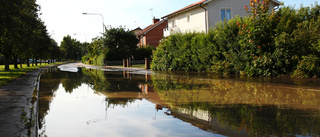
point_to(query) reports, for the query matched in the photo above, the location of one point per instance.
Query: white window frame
(189, 18)
(174, 23)
(225, 8)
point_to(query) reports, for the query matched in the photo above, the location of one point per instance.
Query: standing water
(76, 101)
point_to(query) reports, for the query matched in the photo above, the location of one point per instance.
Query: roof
(277, 2)
(199, 3)
(186, 8)
(137, 29)
(149, 28)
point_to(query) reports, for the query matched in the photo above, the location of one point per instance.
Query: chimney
(155, 20)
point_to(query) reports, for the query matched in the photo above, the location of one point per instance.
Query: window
(225, 14)
(173, 23)
(188, 18)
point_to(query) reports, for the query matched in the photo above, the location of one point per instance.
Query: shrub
(100, 60)
(144, 52)
(85, 59)
(309, 66)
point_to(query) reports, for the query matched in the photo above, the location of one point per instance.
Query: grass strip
(8, 75)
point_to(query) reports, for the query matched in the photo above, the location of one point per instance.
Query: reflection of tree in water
(258, 109)
(100, 81)
(111, 82)
(49, 84)
(123, 102)
(103, 81)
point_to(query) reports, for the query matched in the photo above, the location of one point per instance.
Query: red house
(152, 34)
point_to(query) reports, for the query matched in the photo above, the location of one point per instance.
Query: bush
(85, 59)
(100, 60)
(144, 52)
(309, 66)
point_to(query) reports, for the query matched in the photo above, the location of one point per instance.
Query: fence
(130, 63)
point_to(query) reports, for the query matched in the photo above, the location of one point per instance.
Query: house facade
(201, 16)
(152, 34)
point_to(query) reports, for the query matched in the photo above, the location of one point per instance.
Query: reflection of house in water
(153, 97)
(201, 118)
(197, 117)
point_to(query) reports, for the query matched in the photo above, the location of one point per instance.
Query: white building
(201, 16)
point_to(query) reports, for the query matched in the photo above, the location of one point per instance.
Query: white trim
(174, 22)
(188, 17)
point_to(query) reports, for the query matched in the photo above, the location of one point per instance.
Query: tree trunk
(36, 60)
(6, 62)
(21, 62)
(28, 64)
(32, 61)
(15, 61)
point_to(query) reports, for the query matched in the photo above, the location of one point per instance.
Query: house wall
(142, 41)
(155, 35)
(196, 23)
(236, 6)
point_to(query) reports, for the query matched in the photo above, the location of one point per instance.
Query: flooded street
(81, 101)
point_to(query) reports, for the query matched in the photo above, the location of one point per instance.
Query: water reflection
(128, 104)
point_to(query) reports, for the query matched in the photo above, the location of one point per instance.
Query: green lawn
(7, 75)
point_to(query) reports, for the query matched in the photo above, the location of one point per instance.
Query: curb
(35, 103)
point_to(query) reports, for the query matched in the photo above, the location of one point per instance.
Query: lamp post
(96, 14)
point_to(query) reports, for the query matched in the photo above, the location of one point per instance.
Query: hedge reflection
(256, 108)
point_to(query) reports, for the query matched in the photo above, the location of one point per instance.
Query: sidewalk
(15, 99)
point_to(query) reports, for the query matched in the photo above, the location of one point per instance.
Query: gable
(149, 28)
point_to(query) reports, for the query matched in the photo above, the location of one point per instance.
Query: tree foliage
(71, 48)
(22, 35)
(119, 43)
(115, 45)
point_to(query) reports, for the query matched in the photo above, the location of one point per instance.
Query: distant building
(135, 31)
(201, 16)
(152, 34)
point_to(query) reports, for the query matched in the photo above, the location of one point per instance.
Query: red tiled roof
(185, 8)
(147, 29)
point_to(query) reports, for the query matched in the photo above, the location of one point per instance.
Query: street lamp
(96, 14)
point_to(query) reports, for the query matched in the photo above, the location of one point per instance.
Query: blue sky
(64, 17)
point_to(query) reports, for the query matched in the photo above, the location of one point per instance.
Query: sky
(64, 17)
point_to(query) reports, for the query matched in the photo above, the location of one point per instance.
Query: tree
(22, 33)
(119, 43)
(9, 25)
(71, 49)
